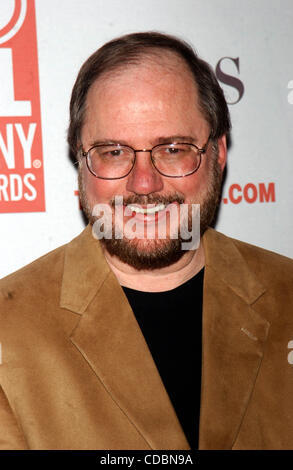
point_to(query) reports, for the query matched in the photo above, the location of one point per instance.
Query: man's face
(142, 106)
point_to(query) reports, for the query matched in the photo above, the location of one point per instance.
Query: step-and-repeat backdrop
(42, 46)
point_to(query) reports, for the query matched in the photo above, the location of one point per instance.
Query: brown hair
(129, 49)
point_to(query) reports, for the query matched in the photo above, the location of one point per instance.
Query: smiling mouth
(148, 210)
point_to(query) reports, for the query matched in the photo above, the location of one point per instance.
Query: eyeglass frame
(201, 151)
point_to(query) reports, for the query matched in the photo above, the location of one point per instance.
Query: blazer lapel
(109, 338)
(233, 338)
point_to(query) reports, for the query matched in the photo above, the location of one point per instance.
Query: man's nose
(144, 178)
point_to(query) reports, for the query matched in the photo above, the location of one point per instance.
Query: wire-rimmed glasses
(115, 161)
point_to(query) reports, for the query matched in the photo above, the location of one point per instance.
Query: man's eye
(116, 153)
(173, 150)
(111, 153)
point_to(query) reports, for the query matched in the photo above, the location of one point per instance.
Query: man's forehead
(156, 65)
(150, 99)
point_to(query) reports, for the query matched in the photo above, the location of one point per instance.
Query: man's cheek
(98, 190)
(188, 186)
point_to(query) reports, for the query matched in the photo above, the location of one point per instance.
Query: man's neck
(158, 280)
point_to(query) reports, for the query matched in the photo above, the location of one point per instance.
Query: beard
(146, 254)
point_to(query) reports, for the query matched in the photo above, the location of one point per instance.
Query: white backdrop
(252, 40)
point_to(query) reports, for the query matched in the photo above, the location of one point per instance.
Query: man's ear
(222, 152)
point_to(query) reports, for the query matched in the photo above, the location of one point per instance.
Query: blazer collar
(85, 270)
(223, 256)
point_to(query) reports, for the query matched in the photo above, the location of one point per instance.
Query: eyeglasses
(115, 161)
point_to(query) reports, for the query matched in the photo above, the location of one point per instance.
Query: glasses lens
(110, 161)
(176, 159)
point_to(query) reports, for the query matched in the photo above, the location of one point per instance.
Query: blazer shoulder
(33, 290)
(270, 267)
(269, 259)
(37, 272)
(47, 267)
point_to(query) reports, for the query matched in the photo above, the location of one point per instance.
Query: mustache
(151, 199)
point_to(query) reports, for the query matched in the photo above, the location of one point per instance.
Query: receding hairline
(153, 57)
(149, 59)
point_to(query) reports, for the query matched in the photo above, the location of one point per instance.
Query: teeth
(147, 210)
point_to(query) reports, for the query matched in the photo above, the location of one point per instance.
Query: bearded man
(150, 330)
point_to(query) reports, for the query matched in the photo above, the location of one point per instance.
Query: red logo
(251, 193)
(21, 156)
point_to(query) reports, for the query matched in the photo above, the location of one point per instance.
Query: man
(133, 342)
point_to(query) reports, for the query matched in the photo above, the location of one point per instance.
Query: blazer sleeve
(11, 437)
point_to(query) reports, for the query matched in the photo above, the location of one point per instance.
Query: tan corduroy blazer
(76, 373)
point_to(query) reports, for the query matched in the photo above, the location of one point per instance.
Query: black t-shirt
(171, 322)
